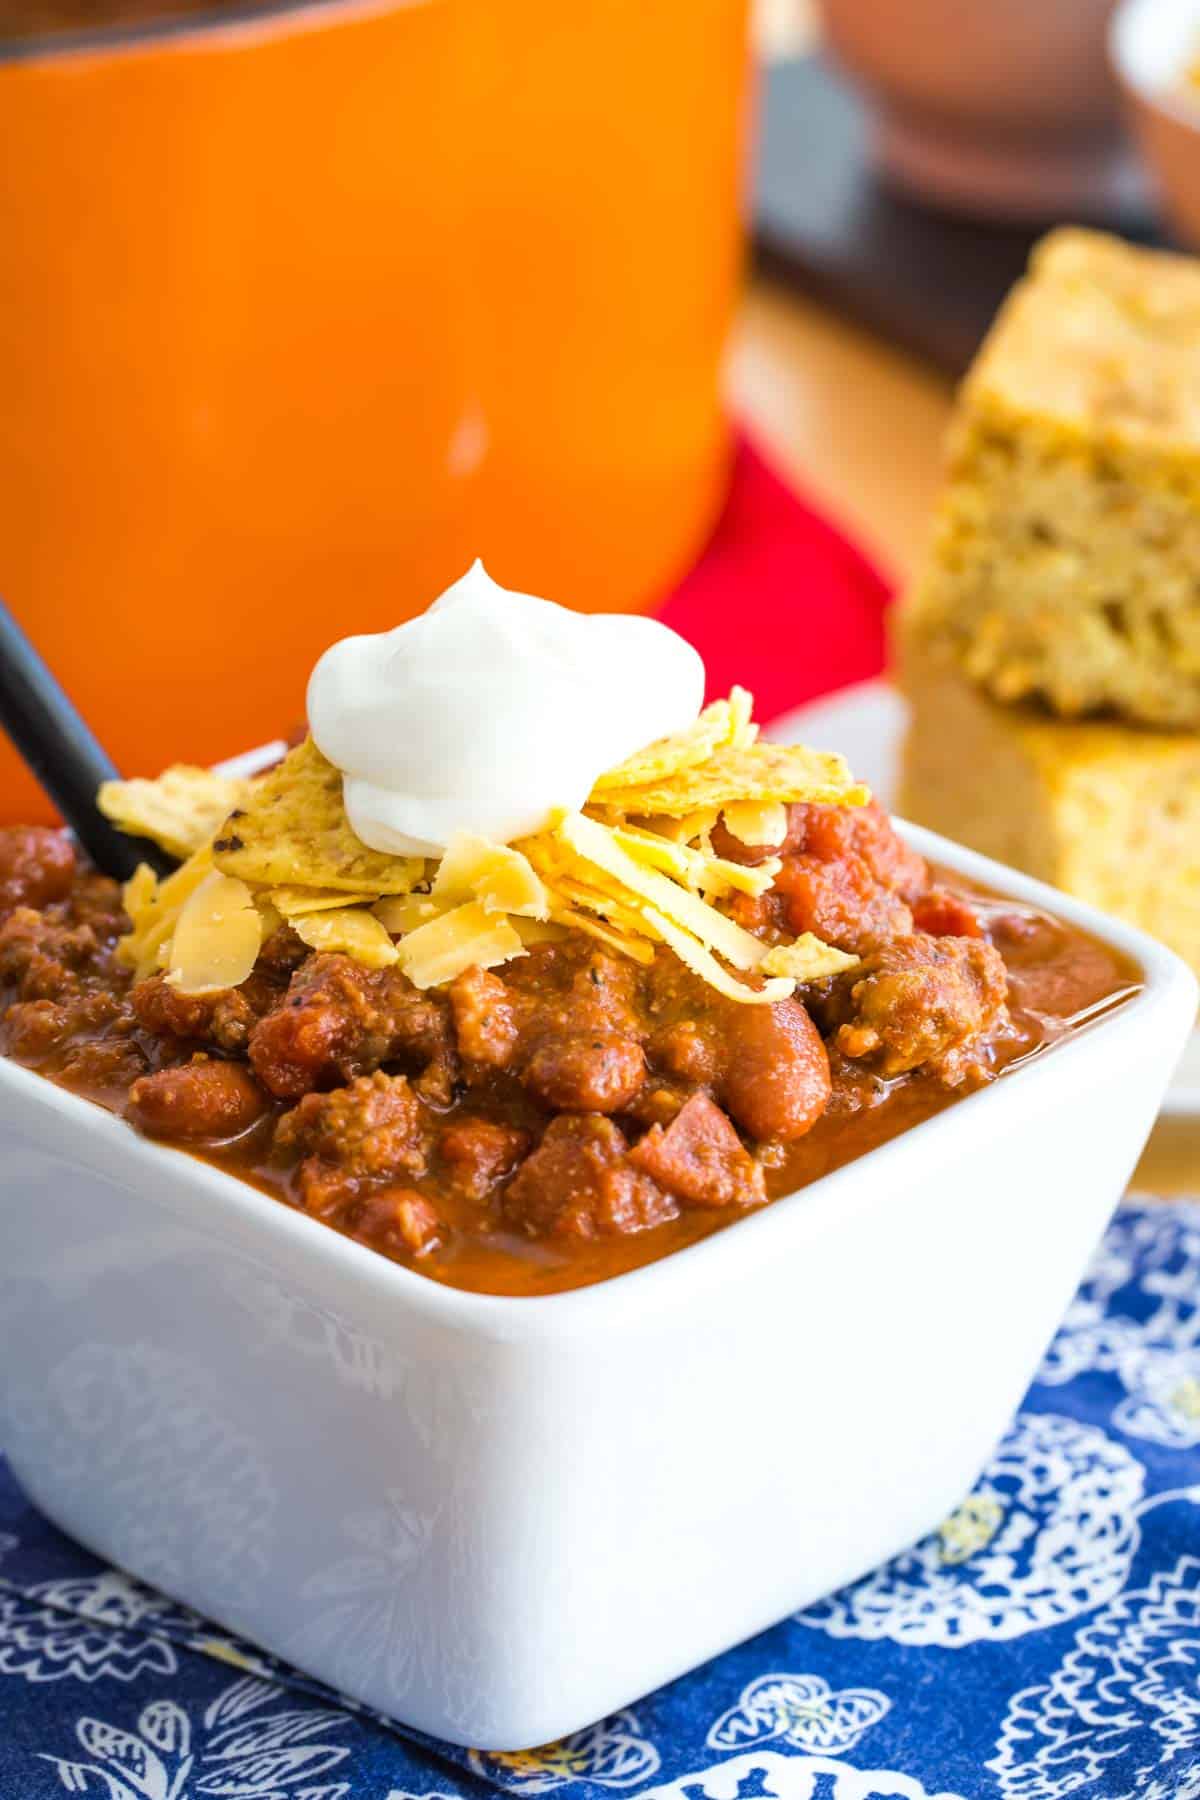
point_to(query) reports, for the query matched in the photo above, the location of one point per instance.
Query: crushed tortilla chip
(291, 830)
(295, 902)
(179, 810)
(754, 772)
(468, 937)
(681, 750)
(352, 931)
(217, 937)
(636, 870)
(809, 958)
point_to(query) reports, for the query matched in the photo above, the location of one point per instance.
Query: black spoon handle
(63, 754)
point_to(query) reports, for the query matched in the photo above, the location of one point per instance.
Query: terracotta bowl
(1152, 43)
(1004, 109)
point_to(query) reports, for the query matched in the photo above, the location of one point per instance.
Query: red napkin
(780, 601)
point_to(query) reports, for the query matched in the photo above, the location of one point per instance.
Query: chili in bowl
(528, 1083)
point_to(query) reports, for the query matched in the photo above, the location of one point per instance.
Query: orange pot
(302, 309)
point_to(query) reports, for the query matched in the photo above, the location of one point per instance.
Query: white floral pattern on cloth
(92, 1626)
(235, 1750)
(1162, 1397)
(776, 1777)
(112, 1633)
(800, 1710)
(1048, 1534)
(403, 1794)
(1120, 1714)
(613, 1754)
(1141, 1291)
(1137, 1316)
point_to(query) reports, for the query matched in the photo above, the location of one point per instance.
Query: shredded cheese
(217, 937)
(467, 937)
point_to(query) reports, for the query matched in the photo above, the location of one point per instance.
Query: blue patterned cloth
(1044, 1643)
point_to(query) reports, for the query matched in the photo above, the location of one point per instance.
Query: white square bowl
(498, 1519)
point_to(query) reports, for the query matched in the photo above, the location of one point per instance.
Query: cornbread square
(1065, 563)
(1106, 811)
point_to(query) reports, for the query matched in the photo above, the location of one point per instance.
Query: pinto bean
(776, 1081)
(203, 1099)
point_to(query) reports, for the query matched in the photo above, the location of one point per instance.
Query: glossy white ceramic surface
(499, 1519)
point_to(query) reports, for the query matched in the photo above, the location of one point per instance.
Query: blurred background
(304, 306)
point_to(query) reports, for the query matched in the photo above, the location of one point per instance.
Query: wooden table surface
(859, 426)
(856, 424)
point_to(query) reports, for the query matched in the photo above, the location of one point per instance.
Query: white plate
(866, 724)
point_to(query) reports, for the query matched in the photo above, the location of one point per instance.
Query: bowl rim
(246, 20)
(1129, 27)
(705, 1269)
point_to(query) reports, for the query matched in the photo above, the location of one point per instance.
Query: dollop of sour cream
(491, 710)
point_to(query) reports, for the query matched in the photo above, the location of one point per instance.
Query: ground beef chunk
(486, 1019)
(315, 1036)
(106, 1069)
(44, 957)
(282, 953)
(477, 1153)
(355, 1138)
(226, 1019)
(202, 1100)
(35, 1028)
(922, 1002)
(161, 1008)
(776, 1079)
(37, 865)
(564, 1020)
(700, 1159)
(689, 1049)
(657, 1103)
(338, 1021)
(399, 1219)
(580, 1183)
(585, 1071)
(95, 900)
